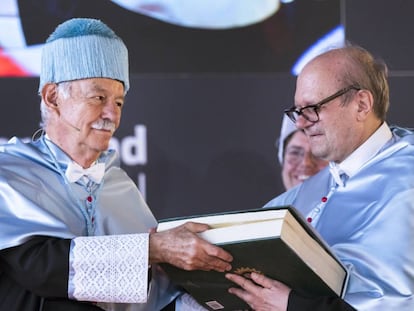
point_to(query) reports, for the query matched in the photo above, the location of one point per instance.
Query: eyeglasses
(311, 112)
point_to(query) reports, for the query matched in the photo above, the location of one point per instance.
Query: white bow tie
(95, 173)
(338, 174)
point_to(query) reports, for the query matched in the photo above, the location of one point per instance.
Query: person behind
(362, 203)
(295, 157)
(75, 231)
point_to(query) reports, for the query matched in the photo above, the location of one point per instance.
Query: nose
(111, 111)
(301, 122)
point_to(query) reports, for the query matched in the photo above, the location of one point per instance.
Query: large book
(277, 242)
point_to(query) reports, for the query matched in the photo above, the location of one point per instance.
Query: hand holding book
(275, 242)
(260, 292)
(182, 247)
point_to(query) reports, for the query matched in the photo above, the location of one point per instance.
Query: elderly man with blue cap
(75, 232)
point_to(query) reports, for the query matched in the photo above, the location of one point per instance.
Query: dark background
(212, 100)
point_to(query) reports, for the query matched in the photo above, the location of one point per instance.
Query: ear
(50, 96)
(365, 104)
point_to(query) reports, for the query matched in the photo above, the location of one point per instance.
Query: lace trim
(110, 268)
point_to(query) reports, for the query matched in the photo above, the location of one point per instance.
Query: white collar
(353, 163)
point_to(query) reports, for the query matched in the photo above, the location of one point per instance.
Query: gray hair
(63, 90)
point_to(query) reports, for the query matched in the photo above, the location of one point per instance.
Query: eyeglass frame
(295, 155)
(316, 107)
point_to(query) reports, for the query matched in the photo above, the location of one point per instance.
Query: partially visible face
(298, 161)
(89, 113)
(337, 133)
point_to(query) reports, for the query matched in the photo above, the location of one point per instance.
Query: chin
(100, 146)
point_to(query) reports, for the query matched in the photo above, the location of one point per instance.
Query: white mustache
(102, 124)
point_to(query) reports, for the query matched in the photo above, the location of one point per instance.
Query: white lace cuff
(111, 268)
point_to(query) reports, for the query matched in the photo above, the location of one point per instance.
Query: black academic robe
(34, 277)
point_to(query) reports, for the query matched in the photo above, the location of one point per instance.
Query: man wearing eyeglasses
(362, 204)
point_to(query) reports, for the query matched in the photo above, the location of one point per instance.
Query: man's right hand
(183, 248)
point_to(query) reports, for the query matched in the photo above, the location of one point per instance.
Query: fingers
(246, 289)
(262, 280)
(211, 256)
(260, 292)
(214, 251)
(196, 227)
(239, 280)
(183, 248)
(269, 283)
(258, 281)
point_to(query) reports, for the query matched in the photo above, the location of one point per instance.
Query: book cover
(281, 245)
